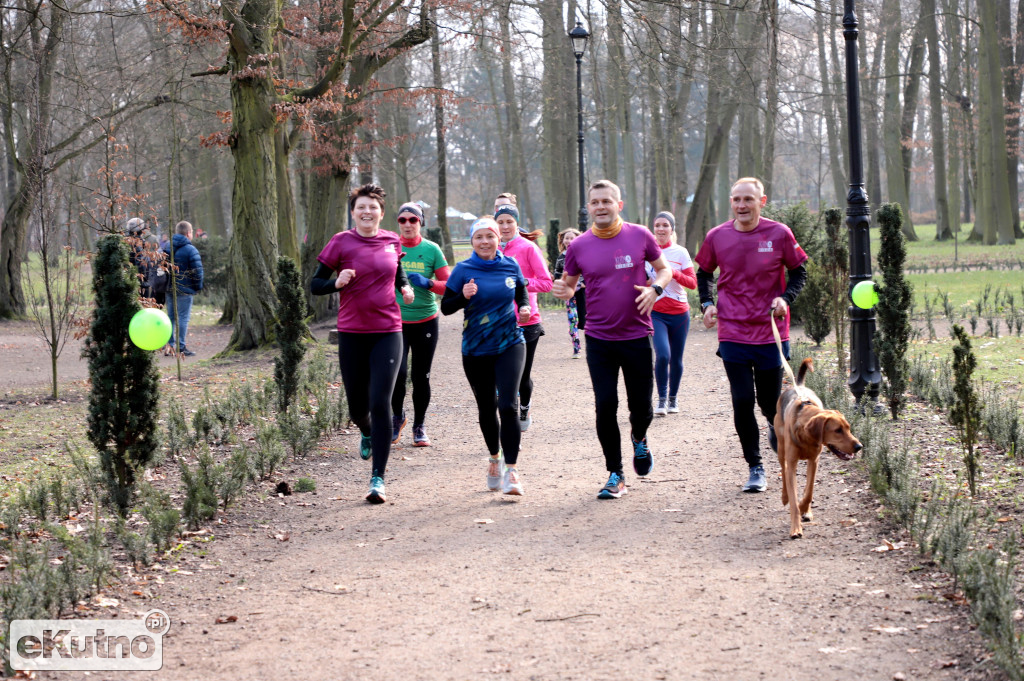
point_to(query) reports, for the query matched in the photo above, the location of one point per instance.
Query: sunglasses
(413, 221)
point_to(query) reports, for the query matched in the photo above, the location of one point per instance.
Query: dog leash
(778, 343)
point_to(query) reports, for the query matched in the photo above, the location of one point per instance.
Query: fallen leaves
(483, 521)
(889, 546)
(228, 619)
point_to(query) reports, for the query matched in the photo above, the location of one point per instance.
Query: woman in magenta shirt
(519, 245)
(366, 260)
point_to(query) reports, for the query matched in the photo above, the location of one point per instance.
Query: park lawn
(1000, 360)
(927, 252)
(964, 287)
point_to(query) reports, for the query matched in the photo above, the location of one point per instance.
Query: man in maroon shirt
(753, 255)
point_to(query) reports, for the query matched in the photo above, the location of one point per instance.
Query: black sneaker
(642, 459)
(773, 441)
(187, 353)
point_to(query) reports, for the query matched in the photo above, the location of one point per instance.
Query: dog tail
(805, 366)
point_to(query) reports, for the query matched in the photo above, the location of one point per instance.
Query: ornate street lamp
(864, 373)
(579, 36)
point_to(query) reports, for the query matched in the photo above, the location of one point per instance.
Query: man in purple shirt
(611, 256)
(753, 255)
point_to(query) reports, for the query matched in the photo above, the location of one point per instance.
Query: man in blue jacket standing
(188, 277)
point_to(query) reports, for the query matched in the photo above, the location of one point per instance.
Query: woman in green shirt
(427, 269)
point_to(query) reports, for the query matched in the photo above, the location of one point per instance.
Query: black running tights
(750, 385)
(421, 340)
(369, 365)
(636, 360)
(502, 372)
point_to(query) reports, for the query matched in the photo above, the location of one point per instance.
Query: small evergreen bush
(291, 331)
(965, 413)
(892, 337)
(123, 400)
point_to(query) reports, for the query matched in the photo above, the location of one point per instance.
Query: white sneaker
(673, 405)
(660, 409)
(510, 483)
(495, 471)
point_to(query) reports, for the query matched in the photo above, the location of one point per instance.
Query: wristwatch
(704, 306)
(657, 289)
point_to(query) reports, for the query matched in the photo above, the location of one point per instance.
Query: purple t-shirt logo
(623, 261)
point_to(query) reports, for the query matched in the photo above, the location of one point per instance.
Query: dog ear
(816, 426)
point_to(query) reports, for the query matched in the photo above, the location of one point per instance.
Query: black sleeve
(452, 301)
(705, 280)
(795, 283)
(559, 266)
(522, 297)
(323, 282)
(401, 278)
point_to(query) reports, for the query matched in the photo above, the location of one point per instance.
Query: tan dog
(803, 427)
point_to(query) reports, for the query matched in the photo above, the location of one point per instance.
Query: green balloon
(864, 295)
(150, 328)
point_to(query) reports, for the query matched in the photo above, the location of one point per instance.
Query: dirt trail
(683, 578)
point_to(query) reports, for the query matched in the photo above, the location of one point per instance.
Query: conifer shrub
(123, 401)
(553, 230)
(816, 304)
(291, 331)
(892, 337)
(965, 412)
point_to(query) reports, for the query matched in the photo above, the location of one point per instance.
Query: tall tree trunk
(1012, 59)
(936, 125)
(767, 156)
(517, 165)
(682, 80)
(31, 164)
(872, 124)
(951, 9)
(559, 174)
(439, 130)
(623, 107)
(892, 119)
(911, 92)
(828, 109)
(993, 190)
(287, 238)
(254, 194)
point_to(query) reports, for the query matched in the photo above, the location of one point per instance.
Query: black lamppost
(579, 36)
(864, 373)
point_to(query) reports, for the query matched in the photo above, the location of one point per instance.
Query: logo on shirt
(390, 248)
(765, 247)
(510, 282)
(623, 261)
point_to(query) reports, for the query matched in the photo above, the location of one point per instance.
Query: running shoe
(365, 447)
(642, 459)
(773, 440)
(376, 495)
(575, 355)
(510, 483)
(673, 405)
(187, 353)
(661, 409)
(419, 437)
(614, 488)
(398, 422)
(495, 471)
(524, 418)
(756, 483)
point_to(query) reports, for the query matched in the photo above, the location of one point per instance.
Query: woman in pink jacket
(519, 245)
